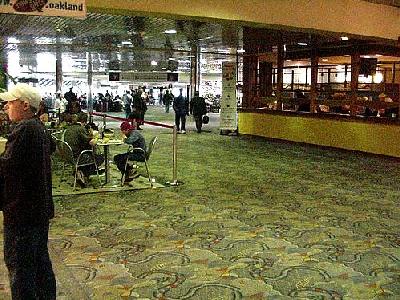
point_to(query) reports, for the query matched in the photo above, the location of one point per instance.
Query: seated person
(79, 138)
(135, 139)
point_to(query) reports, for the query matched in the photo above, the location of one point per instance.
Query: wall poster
(228, 116)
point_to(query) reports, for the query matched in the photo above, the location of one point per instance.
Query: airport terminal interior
(296, 199)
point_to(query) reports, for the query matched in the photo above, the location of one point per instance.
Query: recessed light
(324, 59)
(170, 31)
(344, 38)
(378, 55)
(302, 44)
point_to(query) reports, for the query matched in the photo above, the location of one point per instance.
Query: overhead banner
(228, 116)
(143, 76)
(70, 8)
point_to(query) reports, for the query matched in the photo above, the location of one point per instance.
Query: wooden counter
(367, 134)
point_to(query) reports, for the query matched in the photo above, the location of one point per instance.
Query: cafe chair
(66, 155)
(146, 154)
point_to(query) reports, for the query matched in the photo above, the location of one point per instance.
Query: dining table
(106, 143)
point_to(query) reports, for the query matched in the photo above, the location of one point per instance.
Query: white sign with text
(70, 8)
(228, 116)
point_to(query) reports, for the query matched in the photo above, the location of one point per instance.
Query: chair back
(150, 147)
(64, 151)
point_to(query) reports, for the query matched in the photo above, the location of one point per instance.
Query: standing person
(27, 204)
(167, 100)
(71, 97)
(198, 108)
(135, 139)
(138, 108)
(127, 101)
(181, 108)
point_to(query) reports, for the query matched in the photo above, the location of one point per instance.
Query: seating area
(65, 168)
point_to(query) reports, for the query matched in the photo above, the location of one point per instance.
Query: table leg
(106, 164)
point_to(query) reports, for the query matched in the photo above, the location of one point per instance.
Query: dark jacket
(181, 105)
(78, 137)
(25, 171)
(198, 106)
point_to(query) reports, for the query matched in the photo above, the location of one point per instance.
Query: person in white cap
(25, 174)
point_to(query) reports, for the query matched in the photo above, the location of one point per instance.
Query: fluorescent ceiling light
(170, 31)
(324, 59)
(241, 51)
(126, 43)
(302, 44)
(344, 38)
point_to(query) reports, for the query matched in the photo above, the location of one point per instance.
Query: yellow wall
(350, 135)
(347, 16)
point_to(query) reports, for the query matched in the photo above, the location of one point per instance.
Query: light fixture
(126, 43)
(378, 77)
(302, 44)
(324, 59)
(154, 63)
(378, 55)
(170, 31)
(344, 38)
(241, 51)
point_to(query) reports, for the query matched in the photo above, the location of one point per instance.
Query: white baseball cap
(23, 91)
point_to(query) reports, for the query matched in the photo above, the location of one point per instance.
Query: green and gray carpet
(251, 219)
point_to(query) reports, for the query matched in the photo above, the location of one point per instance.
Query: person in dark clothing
(80, 138)
(167, 100)
(71, 98)
(139, 108)
(135, 139)
(198, 108)
(27, 204)
(181, 108)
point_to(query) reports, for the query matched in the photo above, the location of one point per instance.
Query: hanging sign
(228, 116)
(70, 8)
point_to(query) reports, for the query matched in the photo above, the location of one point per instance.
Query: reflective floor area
(251, 219)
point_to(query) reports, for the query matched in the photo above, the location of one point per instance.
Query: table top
(109, 142)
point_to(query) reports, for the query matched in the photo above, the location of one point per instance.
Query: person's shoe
(183, 131)
(81, 179)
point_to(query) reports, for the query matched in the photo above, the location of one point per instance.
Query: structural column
(314, 80)
(59, 72)
(279, 79)
(90, 82)
(355, 71)
(195, 70)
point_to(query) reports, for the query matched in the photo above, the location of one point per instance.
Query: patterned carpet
(251, 219)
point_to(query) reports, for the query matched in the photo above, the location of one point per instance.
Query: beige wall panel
(348, 16)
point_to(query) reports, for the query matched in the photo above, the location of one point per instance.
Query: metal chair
(146, 155)
(66, 155)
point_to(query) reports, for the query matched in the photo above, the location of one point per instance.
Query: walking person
(127, 101)
(27, 204)
(139, 108)
(181, 108)
(167, 100)
(198, 108)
